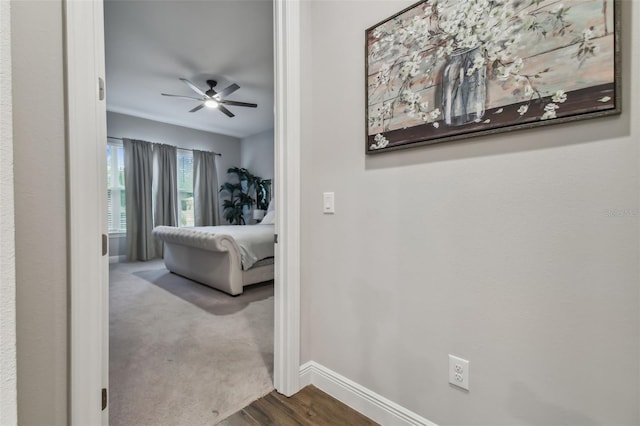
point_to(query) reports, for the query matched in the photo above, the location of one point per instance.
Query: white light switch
(328, 203)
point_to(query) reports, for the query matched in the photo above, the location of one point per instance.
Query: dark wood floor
(310, 406)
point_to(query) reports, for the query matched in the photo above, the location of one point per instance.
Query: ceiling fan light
(210, 103)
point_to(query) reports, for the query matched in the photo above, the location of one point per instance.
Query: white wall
(121, 125)
(8, 368)
(498, 250)
(257, 154)
(40, 211)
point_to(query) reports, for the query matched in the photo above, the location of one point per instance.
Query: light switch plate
(328, 203)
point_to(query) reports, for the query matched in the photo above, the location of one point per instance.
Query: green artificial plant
(240, 190)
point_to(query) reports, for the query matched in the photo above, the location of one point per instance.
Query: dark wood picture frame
(445, 70)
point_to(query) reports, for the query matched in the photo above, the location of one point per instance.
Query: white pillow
(272, 205)
(269, 218)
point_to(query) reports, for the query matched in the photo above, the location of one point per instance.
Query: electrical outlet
(459, 372)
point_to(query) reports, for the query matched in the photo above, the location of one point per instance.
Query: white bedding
(255, 242)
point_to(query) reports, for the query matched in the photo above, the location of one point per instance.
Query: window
(116, 201)
(185, 187)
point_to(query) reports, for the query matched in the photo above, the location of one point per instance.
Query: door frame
(86, 158)
(8, 365)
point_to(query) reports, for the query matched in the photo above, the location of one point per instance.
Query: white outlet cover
(459, 372)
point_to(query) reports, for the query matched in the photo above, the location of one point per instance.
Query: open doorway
(88, 236)
(178, 347)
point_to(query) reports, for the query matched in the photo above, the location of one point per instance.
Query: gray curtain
(138, 174)
(165, 191)
(205, 188)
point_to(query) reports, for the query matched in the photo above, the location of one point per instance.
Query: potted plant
(240, 190)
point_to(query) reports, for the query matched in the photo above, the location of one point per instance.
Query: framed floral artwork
(445, 70)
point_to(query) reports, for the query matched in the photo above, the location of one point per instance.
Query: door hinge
(100, 89)
(104, 398)
(105, 245)
(275, 238)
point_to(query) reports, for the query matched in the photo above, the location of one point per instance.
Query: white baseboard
(361, 399)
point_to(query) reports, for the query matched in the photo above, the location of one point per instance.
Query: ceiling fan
(211, 98)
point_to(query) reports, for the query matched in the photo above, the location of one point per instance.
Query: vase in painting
(464, 88)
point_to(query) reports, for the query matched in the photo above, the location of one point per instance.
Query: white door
(86, 163)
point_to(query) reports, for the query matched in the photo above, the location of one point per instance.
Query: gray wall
(499, 250)
(257, 154)
(511, 229)
(121, 125)
(40, 211)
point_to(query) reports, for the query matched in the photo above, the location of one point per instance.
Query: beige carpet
(182, 353)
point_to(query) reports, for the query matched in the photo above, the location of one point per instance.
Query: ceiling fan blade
(235, 103)
(193, 87)
(180, 96)
(199, 107)
(226, 111)
(229, 90)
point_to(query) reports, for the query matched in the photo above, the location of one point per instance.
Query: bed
(226, 258)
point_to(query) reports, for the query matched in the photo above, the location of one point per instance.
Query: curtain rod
(119, 139)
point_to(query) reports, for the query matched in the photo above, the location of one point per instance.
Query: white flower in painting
(503, 73)
(487, 121)
(386, 110)
(383, 77)
(408, 96)
(380, 140)
(478, 63)
(523, 109)
(558, 8)
(435, 113)
(559, 96)
(604, 99)
(516, 66)
(409, 69)
(436, 124)
(375, 120)
(549, 111)
(499, 110)
(587, 34)
(528, 90)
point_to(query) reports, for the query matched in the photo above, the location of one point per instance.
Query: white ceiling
(151, 44)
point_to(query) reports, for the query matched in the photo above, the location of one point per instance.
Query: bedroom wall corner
(306, 135)
(257, 154)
